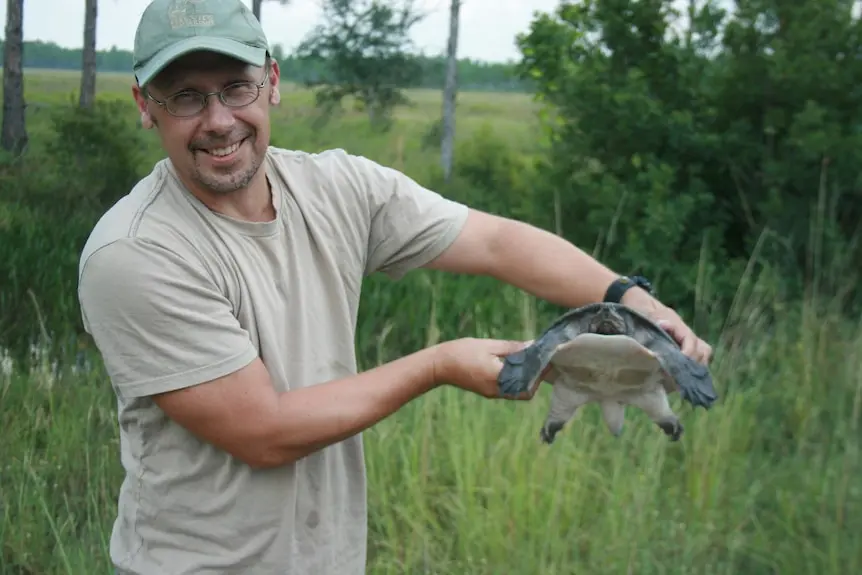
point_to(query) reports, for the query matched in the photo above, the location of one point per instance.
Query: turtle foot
(695, 383)
(550, 430)
(699, 392)
(515, 377)
(673, 428)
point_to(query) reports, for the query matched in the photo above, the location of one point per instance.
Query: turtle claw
(672, 428)
(549, 431)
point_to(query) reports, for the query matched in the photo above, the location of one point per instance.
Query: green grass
(764, 483)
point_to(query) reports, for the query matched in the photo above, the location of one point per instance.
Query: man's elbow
(260, 447)
(266, 459)
(265, 453)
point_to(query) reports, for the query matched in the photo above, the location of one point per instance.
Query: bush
(52, 198)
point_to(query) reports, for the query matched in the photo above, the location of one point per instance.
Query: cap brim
(232, 48)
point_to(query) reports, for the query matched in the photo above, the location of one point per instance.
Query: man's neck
(253, 203)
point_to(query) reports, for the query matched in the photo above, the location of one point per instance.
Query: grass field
(767, 482)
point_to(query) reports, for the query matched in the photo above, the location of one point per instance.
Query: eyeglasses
(190, 102)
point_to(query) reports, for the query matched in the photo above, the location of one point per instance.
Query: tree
(364, 45)
(13, 134)
(256, 5)
(677, 148)
(450, 92)
(88, 55)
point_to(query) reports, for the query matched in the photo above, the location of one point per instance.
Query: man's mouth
(222, 152)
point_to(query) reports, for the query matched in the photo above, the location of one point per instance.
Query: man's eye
(185, 98)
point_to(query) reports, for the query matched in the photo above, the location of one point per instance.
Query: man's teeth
(225, 151)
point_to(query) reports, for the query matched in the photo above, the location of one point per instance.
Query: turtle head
(608, 321)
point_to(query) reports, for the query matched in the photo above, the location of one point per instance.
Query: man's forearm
(312, 418)
(547, 265)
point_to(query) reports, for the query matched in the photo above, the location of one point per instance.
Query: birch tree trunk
(13, 134)
(88, 63)
(450, 93)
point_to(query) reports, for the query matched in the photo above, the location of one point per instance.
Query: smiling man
(222, 293)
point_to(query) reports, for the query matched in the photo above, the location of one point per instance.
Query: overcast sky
(488, 27)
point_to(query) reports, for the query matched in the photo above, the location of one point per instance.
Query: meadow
(764, 483)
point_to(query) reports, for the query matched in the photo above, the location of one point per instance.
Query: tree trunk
(14, 131)
(450, 93)
(255, 8)
(88, 63)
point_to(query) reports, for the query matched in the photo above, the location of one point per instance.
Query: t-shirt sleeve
(159, 320)
(410, 225)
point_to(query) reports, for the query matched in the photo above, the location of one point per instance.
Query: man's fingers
(704, 352)
(689, 343)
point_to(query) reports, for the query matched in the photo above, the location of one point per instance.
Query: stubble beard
(224, 183)
(230, 178)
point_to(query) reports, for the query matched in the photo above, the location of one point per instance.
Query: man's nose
(217, 116)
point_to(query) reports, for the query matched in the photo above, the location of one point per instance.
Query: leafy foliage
(671, 141)
(49, 202)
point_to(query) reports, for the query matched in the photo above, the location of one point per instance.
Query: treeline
(472, 75)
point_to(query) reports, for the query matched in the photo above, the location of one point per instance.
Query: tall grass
(764, 483)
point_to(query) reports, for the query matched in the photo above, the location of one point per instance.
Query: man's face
(218, 150)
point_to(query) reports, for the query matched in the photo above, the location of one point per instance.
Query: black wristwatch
(623, 284)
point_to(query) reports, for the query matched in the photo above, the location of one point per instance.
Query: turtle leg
(520, 371)
(565, 402)
(693, 379)
(656, 405)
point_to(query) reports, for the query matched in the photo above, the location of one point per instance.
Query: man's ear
(274, 76)
(147, 121)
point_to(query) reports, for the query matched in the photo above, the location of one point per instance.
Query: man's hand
(669, 320)
(474, 364)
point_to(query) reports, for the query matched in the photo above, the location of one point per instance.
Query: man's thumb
(509, 346)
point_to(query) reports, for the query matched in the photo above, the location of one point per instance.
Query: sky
(487, 28)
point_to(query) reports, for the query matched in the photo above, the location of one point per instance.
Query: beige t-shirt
(175, 295)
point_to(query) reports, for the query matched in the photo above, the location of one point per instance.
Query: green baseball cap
(172, 28)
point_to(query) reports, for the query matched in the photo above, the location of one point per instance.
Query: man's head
(185, 49)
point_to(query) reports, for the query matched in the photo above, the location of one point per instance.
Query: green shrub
(51, 198)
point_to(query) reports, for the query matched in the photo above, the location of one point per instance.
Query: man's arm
(166, 331)
(242, 414)
(551, 268)
(526, 257)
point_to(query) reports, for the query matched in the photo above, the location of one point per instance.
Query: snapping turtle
(610, 354)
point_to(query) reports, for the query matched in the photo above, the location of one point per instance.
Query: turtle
(611, 354)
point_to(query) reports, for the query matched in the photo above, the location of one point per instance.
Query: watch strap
(621, 285)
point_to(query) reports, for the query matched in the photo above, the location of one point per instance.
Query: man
(222, 293)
